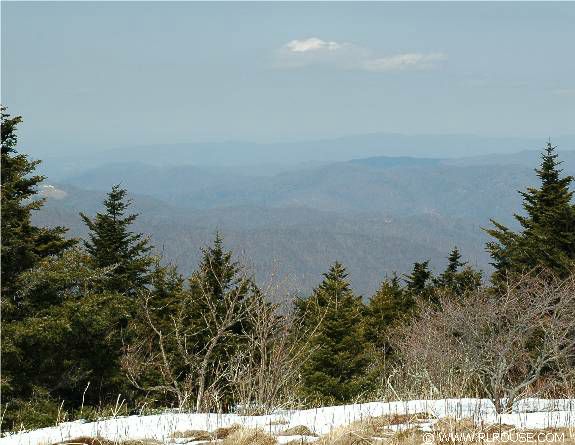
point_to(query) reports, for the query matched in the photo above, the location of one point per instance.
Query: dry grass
(446, 431)
(374, 430)
(86, 441)
(102, 441)
(249, 436)
(411, 436)
(406, 419)
(568, 435)
(223, 432)
(356, 433)
(279, 422)
(449, 425)
(193, 435)
(298, 430)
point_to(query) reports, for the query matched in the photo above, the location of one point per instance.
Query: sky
(97, 75)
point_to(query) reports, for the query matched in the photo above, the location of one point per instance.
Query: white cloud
(347, 56)
(312, 44)
(404, 61)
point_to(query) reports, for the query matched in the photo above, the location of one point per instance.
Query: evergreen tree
(454, 261)
(23, 244)
(215, 314)
(24, 247)
(217, 271)
(111, 243)
(167, 286)
(65, 347)
(458, 277)
(387, 306)
(218, 278)
(547, 238)
(335, 369)
(420, 282)
(157, 306)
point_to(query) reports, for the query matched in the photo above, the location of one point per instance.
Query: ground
(416, 421)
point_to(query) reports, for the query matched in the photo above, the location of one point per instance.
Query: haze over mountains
(376, 214)
(269, 158)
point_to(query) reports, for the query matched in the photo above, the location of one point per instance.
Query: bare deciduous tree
(502, 344)
(210, 348)
(263, 375)
(149, 362)
(181, 356)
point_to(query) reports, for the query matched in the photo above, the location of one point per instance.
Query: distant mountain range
(265, 159)
(376, 215)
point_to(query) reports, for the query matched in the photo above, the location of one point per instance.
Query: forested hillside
(377, 215)
(103, 324)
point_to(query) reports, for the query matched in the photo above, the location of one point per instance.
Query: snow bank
(529, 413)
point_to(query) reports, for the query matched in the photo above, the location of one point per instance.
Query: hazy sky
(106, 74)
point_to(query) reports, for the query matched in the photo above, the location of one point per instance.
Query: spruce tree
(157, 306)
(23, 244)
(111, 243)
(217, 278)
(419, 278)
(65, 349)
(454, 261)
(336, 366)
(390, 304)
(547, 238)
(216, 316)
(458, 277)
(420, 282)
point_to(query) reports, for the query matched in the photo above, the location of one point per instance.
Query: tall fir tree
(23, 244)
(454, 261)
(419, 283)
(547, 238)
(336, 366)
(217, 278)
(219, 292)
(65, 351)
(458, 277)
(112, 243)
(390, 304)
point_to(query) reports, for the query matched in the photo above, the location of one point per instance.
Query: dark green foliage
(156, 308)
(335, 370)
(182, 339)
(419, 279)
(79, 324)
(68, 338)
(23, 244)
(458, 276)
(37, 411)
(167, 286)
(24, 247)
(547, 238)
(216, 283)
(216, 315)
(113, 244)
(420, 282)
(390, 304)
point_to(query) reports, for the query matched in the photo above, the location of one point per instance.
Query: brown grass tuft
(249, 436)
(298, 430)
(411, 436)
(192, 435)
(223, 432)
(407, 419)
(84, 440)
